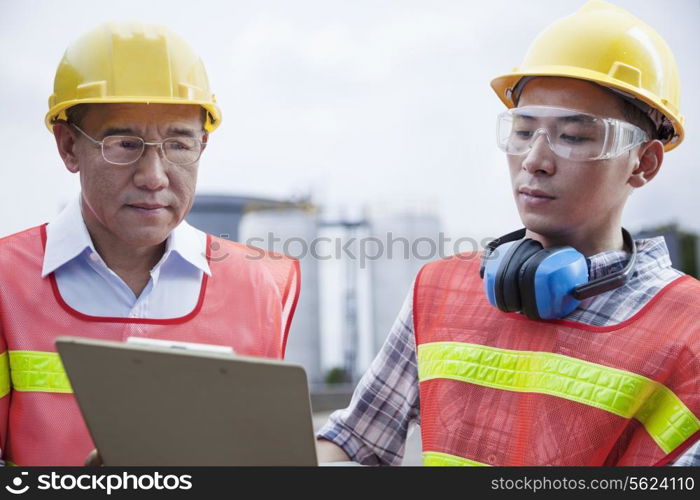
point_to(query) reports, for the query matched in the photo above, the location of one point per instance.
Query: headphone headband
(514, 236)
(595, 287)
(610, 281)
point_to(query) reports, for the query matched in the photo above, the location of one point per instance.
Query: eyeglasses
(126, 149)
(570, 134)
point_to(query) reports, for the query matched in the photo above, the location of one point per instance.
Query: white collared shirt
(87, 285)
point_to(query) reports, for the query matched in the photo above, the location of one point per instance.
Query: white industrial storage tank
(291, 231)
(410, 236)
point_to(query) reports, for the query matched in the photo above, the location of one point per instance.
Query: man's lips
(148, 209)
(146, 206)
(535, 193)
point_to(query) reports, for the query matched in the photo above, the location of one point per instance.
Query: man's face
(558, 197)
(138, 204)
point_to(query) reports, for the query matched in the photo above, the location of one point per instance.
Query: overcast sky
(353, 101)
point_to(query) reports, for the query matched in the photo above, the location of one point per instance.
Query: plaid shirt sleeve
(691, 457)
(372, 430)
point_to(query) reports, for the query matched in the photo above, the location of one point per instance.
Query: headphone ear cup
(526, 283)
(507, 290)
(560, 269)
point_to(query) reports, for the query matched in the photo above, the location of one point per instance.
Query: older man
(580, 346)
(131, 114)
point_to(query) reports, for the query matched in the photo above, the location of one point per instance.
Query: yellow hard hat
(605, 44)
(131, 62)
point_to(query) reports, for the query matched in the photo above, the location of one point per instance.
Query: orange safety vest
(241, 305)
(500, 389)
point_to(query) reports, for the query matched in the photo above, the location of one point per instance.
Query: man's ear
(651, 156)
(65, 141)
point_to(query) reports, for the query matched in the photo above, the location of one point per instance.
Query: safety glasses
(570, 134)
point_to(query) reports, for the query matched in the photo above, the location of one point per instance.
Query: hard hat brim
(58, 112)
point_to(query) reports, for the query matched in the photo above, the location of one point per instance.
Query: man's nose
(151, 169)
(540, 158)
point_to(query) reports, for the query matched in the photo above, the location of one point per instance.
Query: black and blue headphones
(543, 283)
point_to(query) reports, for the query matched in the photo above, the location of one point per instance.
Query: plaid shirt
(372, 430)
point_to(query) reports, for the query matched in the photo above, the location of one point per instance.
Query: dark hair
(75, 114)
(636, 116)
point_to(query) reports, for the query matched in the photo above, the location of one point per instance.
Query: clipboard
(148, 405)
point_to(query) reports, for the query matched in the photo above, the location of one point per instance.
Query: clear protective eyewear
(571, 134)
(126, 149)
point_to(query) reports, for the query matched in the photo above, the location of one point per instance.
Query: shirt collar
(67, 237)
(191, 244)
(650, 252)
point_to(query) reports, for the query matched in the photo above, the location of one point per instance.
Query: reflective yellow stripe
(667, 420)
(665, 417)
(37, 371)
(435, 458)
(10, 464)
(4, 375)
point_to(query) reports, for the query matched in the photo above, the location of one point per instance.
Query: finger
(93, 459)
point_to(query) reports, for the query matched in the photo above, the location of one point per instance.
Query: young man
(131, 114)
(559, 372)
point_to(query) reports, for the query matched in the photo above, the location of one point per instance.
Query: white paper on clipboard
(176, 344)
